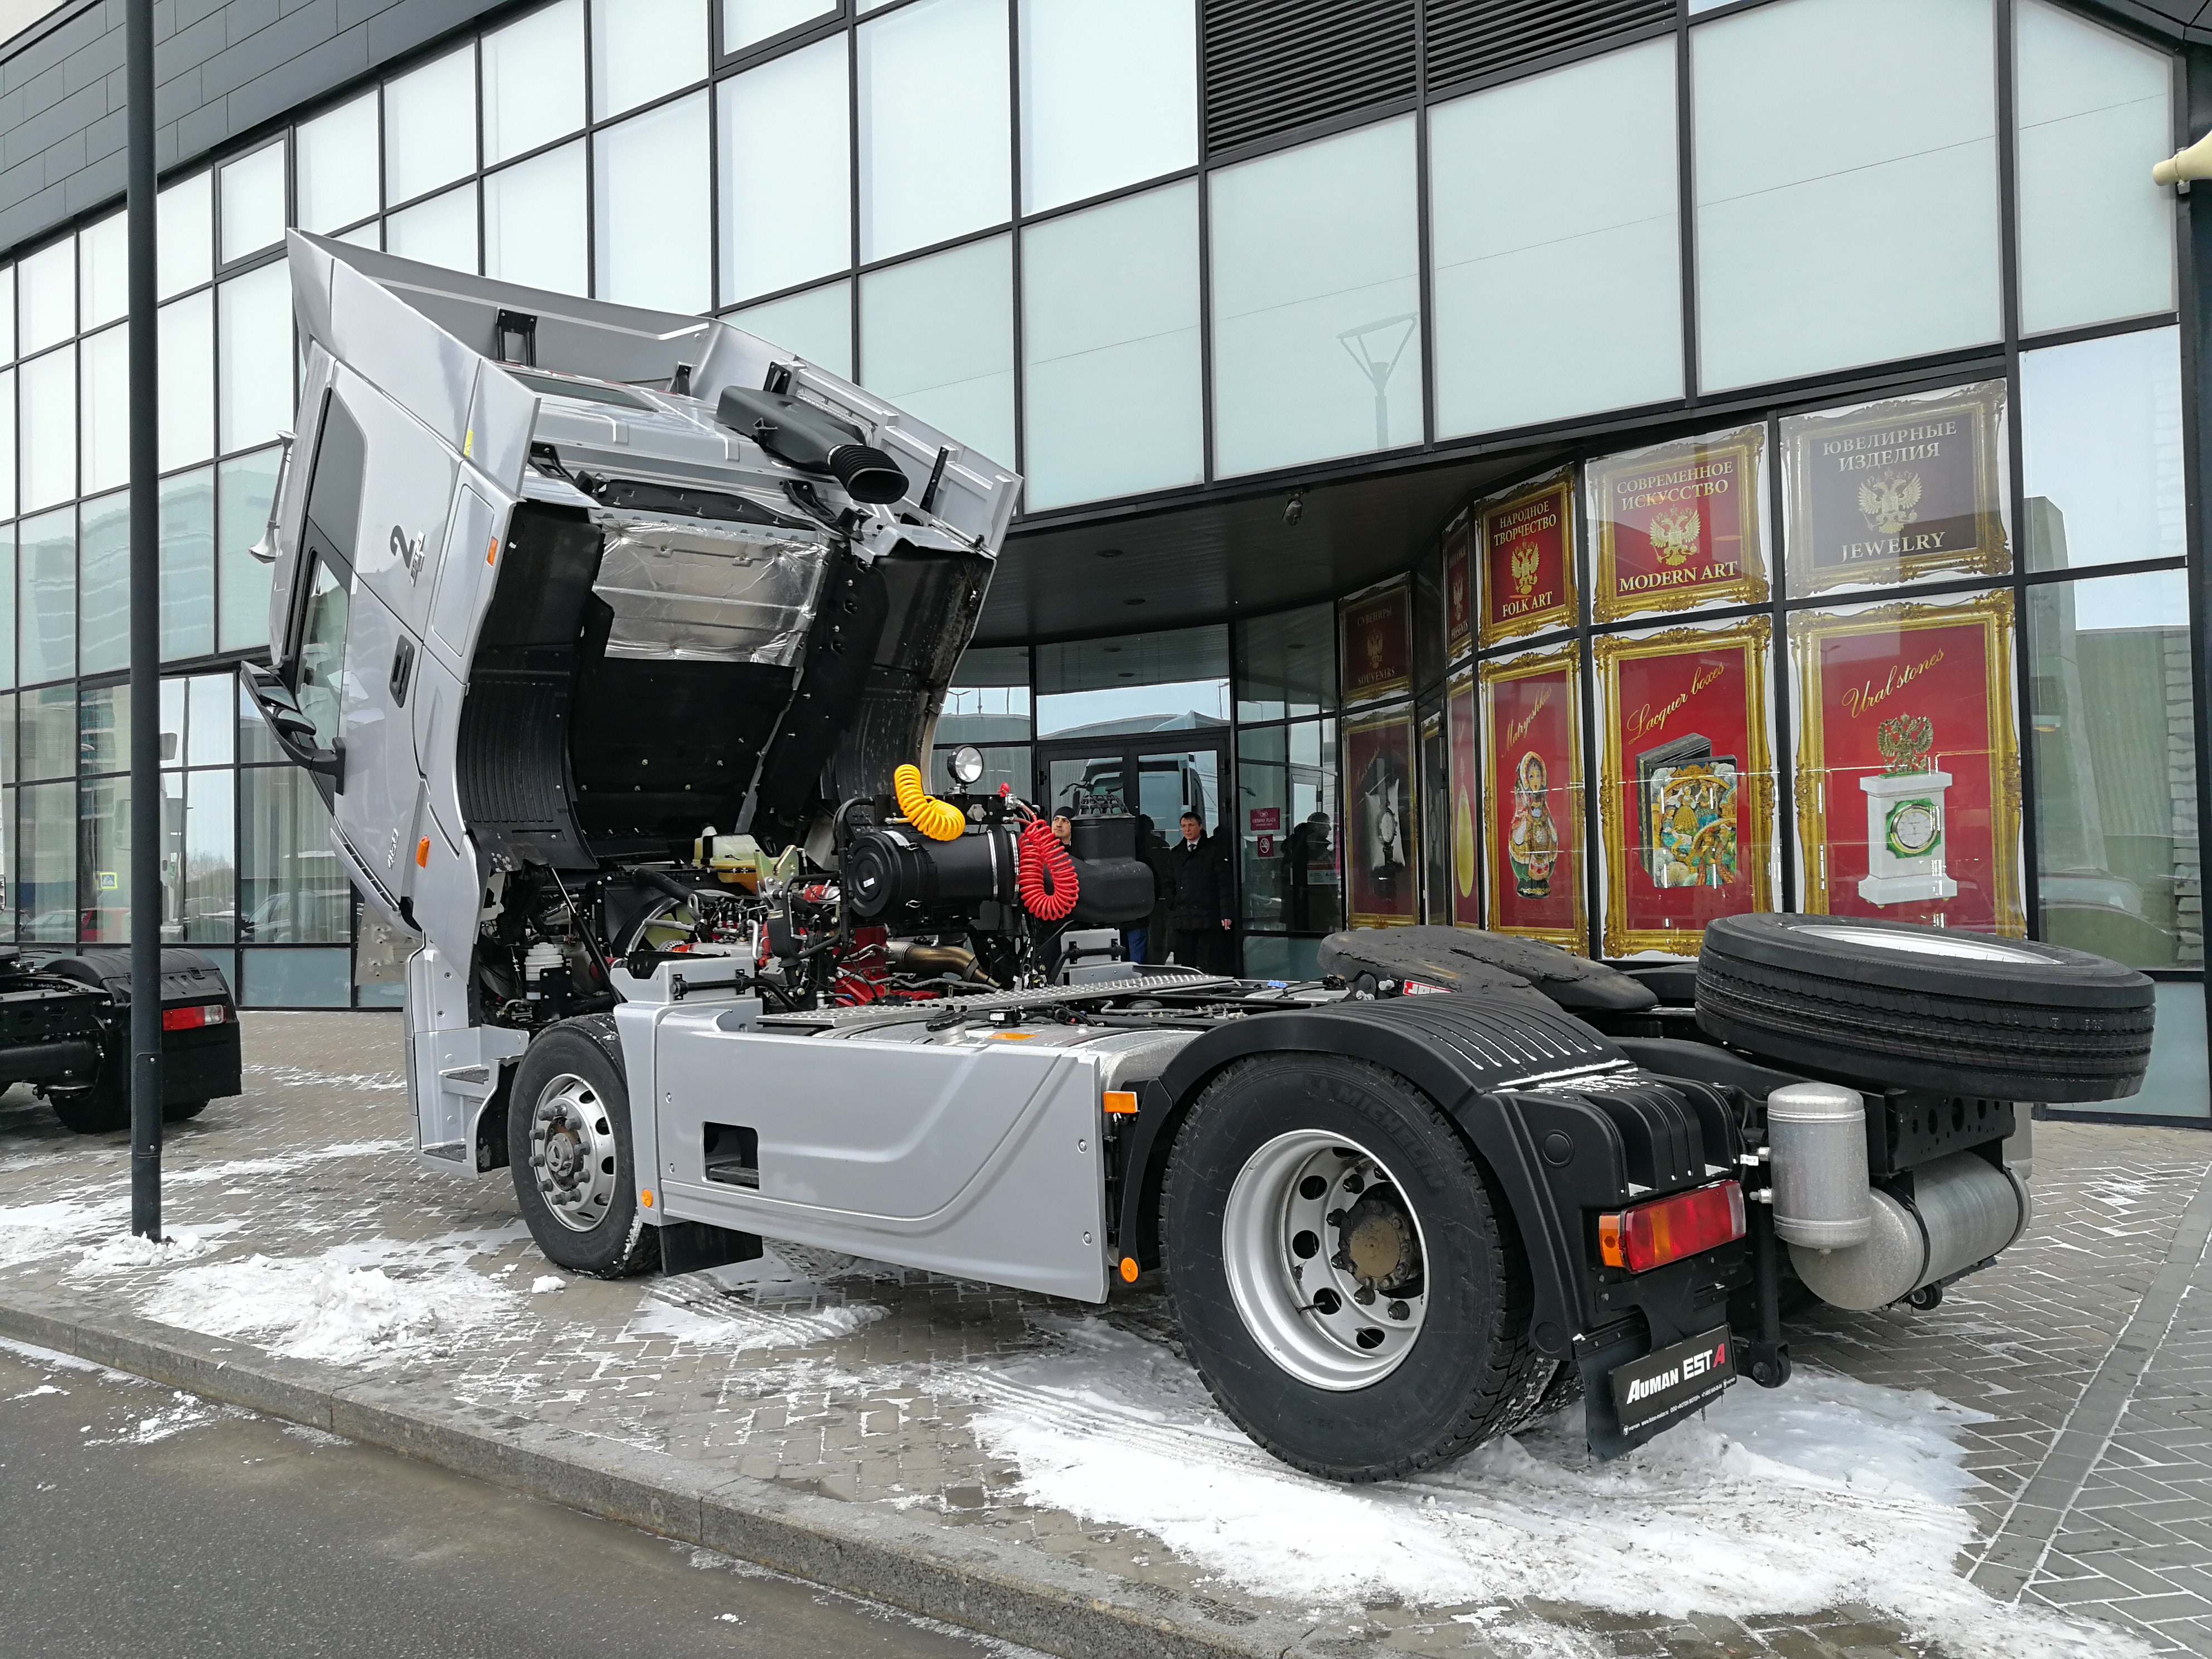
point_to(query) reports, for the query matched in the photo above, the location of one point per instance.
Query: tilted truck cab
(615, 640)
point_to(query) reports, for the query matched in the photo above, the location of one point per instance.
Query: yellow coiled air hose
(939, 820)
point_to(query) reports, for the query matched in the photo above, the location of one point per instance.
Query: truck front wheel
(569, 1145)
(1347, 1283)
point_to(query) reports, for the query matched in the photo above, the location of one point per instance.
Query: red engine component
(863, 971)
(1046, 876)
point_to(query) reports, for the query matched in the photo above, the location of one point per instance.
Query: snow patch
(189, 1412)
(728, 1322)
(1826, 1492)
(278, 1163)
(28, 1231)
(326, 1308)
(302, 1077)
(125, 1251)
(546, 1282)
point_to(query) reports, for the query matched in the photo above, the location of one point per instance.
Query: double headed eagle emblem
(1674, 536)
(1525, 562)
(1890, 500)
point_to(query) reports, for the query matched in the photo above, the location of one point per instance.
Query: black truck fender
(1484, 1060)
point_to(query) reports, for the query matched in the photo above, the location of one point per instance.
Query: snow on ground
(1826, 1492)
(30, 1230)
(127, 1252)
(323, 1307)
(300, 1076)
(761, 1304)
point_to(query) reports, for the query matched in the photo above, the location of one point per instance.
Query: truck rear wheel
(569, 1145)
(1347, 1282)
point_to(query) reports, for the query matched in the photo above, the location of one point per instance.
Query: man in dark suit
(1199, 900)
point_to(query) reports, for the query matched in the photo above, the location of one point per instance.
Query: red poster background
(1377, 660)
(1533, 714)
(1535, 594)
(1465, 851)
(1942, 673)
(1658, 700)
(1678, 518)
(1459, 608)
(1386, 740)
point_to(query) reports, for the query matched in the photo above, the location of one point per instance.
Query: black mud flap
(1628, 1397)
(687, 1247)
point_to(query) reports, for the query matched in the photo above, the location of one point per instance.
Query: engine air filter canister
(1822, 1198)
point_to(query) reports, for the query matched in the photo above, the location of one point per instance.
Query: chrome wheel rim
(1326, 1260)
(572, 1152)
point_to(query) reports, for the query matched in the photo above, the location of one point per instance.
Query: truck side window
(334, 491)
(333, 521)
(322, 648)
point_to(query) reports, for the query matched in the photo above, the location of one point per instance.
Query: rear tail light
(1668, 1229)
(191, 1018)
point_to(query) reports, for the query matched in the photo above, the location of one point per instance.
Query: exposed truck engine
(615, 640)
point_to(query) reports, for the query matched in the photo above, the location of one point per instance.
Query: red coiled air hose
(1047, 874)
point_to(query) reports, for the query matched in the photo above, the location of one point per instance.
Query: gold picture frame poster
(1686, 788)
(1532, 797)
(1678, 527)
(1381, 810)
(1464, 752)
(1899, 491)
(1526, 571)
(1908, 778)
(1375, 643)
(1459, 590)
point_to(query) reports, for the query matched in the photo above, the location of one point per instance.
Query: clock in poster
(1459, 592)
(1685, 798)
(1908, 764)
(1382, 889)
(1528, 561)
(1532, 785)
(1678, 526)
(1466, 801)
(1375, 643)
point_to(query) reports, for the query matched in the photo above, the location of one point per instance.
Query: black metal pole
(145, 636)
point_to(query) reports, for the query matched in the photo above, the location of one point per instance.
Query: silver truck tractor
(610, 636)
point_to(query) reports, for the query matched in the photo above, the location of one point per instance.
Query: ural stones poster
(1908, 763)
(1528, 562)
(1685, 802)
(1382, 888)
(1898, 491)
(1532, 797)
(1678, 527)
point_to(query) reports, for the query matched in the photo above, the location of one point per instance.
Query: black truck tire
(183, 1111)
(1293, 1368)
(1890, 1005)
(568, 1147)
(100, 1108)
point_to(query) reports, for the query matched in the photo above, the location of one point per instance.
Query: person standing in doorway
(1199, 897)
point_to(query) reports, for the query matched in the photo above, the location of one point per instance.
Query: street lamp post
(145, 633)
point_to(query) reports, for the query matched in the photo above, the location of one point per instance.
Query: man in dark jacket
(1199, 900)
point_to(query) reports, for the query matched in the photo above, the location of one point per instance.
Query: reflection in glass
(104, 585)
(50, 733)
(334, 168)
(1525, 256)
(1137, 682)
(533, 80)
(321, 683)
(103, 256)
(2115, 768)
(1109, 308)
(2100, 451)
(187, 380)
(1818, 121)
(7, 441)
(46, 296)
(199, 878)
(748, 22)
(254, 389)
(441, 231)
(243, 488)
(936, 155)
(184, 234)
(2093, 112)
(47, 605)
(103, 888)
(291, 890)
(430, 126)
(817, 324)
(1109, 96)
(1286, 794)
(1317, 302)
(1002, 764)
(188, 565)
(534, 223)
(937, 339)
(654, 209)
(209, 720)
(643, 48)
(103, 729)
(8, 638)
(43, 853)
(49, 428)
(786, 153)
(104, 362)
(294, 979)
(1286, 664)
(251, 197)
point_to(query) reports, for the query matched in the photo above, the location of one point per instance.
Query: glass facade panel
(7, 313)
(243, 489)
(184, 234)
(2115, 768)
(1317, 302)
(2092, 111)
(49, 428)
(441, 231)
(2102, 452)
(199, 873)
(7, 442)
(7, 646)
(103, 253)
(103, 730)
(187, 382)
(103, 606)
(42, 851)
(1286, 840)
(1110, 313)
(1174, 680)
(787, 171)
(291, 888)
(334, 169)
(818, 325)
(430, 126)
(250, 197)
(103, 885)
(936, 151)
(255, 387)
(1815, 120)
(655, 208)
(535, 226)
(1109, 96)
(104, 361)
(937, 339)
(188, 565)
(641, 49)
(1286, 664)
(533, 80)
(46, 296)
(747, 23)
(50, 733)
(293, 979)
(1552, 300)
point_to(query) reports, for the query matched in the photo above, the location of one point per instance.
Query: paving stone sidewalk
(2087, 1348)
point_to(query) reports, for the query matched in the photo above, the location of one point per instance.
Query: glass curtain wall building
(1582, 480)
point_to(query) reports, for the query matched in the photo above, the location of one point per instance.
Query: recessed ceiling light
(1109, 552)
(1128, 674)
(1132, 601)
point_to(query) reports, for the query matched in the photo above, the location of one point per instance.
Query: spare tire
(1890, 1005)
(1470, 960)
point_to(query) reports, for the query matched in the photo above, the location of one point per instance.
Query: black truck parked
(65, 1029)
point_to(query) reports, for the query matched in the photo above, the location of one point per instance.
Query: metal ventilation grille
(1468, 39)
(1272, 65)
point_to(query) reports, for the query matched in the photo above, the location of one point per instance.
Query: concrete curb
(991, 1585)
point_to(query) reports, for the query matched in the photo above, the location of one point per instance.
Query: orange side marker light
(646, 1197)
(491, 550)
(1128, 1270)
(423, 853)
(1120, 1102)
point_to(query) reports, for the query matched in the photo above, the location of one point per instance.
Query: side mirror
(265, 549)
